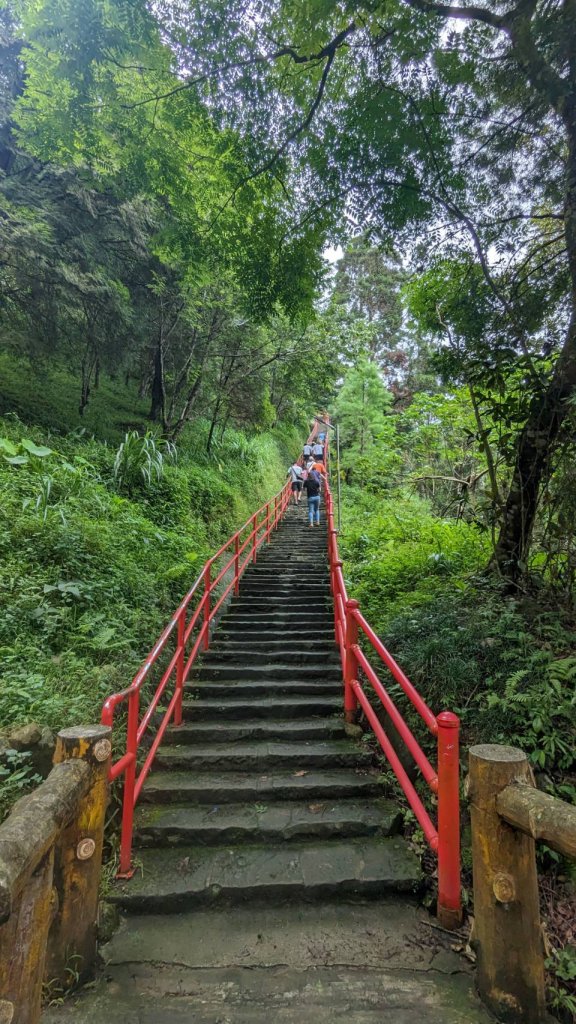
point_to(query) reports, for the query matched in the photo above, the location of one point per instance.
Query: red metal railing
(173, 656)
(350, 629)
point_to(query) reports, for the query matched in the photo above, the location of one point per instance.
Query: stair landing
(359, 963)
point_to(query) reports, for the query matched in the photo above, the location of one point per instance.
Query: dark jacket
(312, 484)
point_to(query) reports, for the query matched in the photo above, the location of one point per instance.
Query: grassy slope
(88, 576)
(48, 395)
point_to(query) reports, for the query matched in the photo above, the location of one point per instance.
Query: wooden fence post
(23, 948)
(506, 913)
(78, 859)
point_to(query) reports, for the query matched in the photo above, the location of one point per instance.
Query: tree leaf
(39, 450)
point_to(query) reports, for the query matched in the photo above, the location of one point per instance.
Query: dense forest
(172, 177)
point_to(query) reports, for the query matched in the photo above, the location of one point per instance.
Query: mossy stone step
(320, 674)
(242, 787)
(260, 823)
(265, 652)
(222, 684)
(223, 705)
(222, 730)
(264, 755)
(287, 637)
(172, 879)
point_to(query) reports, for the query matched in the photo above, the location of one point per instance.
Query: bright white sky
(333, 254)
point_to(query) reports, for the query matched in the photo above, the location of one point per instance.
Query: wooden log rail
(508, 815)
(50, 861)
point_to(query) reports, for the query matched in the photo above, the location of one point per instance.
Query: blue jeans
(314, 508)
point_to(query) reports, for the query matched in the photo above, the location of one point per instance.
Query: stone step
(202, 825)
(172, 879)
(298, 673)
(280, 592)
(322, 619)
(257, 689)
(256, 618)
(268, 653)
(281, 705)
(245, 787)
(289, 607)
(297, 647)
(288, 568)
(279, 583)
(222, 730)
(295, 606)
(287, 572)
(264, 756)
(272, 636)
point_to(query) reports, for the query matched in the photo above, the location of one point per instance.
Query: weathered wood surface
(506, 912)
(23, 947)
(35, 821)
(73, 936)
(540, 815)
(50, 859)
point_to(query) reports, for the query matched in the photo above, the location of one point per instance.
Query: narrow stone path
(270, 864)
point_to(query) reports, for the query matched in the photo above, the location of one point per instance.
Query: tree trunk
(158, 397)
(548, 411)
(532, 468)
(213, 425)
(88, 363)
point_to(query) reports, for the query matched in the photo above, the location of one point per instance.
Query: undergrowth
(97, 546)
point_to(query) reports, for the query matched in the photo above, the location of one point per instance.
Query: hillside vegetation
(94, 557)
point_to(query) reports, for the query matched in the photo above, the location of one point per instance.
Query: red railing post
(180, 668)
(449, 895)
(125, 869)
(236, 565)
(334, 580)
(351, 667)
(268, 523)
(206, 616)
(254, 520)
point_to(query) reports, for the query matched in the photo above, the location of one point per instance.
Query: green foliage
(498, 663)
(88, 579)
(562, 966)
(140, 460)
(17, 777)
(360, 409)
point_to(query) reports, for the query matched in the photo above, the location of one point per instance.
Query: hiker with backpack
(313, 485)
(295, 474)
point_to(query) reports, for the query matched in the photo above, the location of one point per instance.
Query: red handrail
(192, 626)
(349, 623)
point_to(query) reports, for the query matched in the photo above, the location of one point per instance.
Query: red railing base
(448, 918)
(125, 875)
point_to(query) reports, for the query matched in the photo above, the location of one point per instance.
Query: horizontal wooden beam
(539, 815)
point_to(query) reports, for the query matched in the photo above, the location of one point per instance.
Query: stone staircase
(264, 832)
(259, 793)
